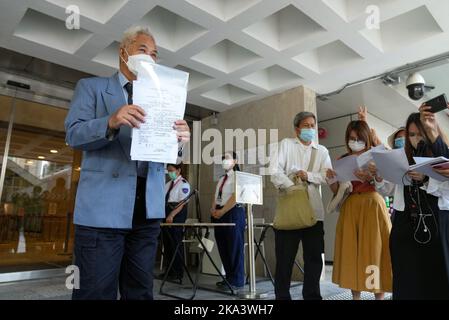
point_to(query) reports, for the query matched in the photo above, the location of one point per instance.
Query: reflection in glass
(36, 198)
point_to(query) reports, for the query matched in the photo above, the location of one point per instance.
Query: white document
(392, 165)
(208, 244)
(162, 93)
(424, 166)
(345, 168)
(248, 188)
(365, 158)
(430, 161)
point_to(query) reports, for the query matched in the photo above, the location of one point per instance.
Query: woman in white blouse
(230, 240)
(417, 256)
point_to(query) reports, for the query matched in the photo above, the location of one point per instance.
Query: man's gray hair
(301, 116)
(132, 33)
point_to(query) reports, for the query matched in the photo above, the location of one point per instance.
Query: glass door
(37, 196)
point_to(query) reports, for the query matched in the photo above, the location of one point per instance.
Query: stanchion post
(252, 292)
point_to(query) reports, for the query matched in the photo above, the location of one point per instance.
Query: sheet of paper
(431, 161)
(424, 166)
(392, 165)
(365, 158)
(162, 93)
(345, 168)
(248, 188)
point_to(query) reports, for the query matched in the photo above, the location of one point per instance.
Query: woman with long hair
(362, 256)
(417, 254)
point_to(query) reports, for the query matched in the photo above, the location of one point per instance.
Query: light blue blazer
(107, 185)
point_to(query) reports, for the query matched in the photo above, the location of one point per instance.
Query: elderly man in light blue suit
(119, 202)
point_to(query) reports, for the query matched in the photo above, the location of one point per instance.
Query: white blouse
(180, 190)
(228, 188)
(434, 187)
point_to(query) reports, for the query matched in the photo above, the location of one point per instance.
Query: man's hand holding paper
(162, 93)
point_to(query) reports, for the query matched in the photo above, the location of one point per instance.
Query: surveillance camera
(416, 86)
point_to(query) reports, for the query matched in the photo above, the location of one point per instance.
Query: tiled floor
(55, 289)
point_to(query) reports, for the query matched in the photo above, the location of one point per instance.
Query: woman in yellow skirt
(362, 257)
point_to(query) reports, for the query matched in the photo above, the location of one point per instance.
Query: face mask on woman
(399, 143)
(415, 141)
(357, 146)
(172, 175)
(227, 164)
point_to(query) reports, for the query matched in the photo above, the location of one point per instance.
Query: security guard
(230, 240)
(176, 190)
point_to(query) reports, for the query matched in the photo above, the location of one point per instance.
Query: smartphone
(438, 104)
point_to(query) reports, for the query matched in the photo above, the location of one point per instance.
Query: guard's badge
(185, 190)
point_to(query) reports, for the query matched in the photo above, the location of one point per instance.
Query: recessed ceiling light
(29, 162)
(53, 151)
(41, 157)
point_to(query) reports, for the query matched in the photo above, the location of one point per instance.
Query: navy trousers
(231, 245)
(110, 260)
(171, 236)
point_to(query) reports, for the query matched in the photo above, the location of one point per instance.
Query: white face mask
(136, 62)
(415, 141)
(356, 146)
(227, 164)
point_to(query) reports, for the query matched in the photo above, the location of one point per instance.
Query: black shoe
(221, 284)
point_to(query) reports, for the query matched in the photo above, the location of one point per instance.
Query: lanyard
(173, 184)
(220, 190)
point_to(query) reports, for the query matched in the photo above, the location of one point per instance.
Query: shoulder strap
(312, 159)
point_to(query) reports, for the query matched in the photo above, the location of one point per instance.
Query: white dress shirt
(434, 187)
(180, 190)
(294, 156)
(228, 188)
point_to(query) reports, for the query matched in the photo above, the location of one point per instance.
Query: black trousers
(112, 260)
(171, 236)
(286, 247)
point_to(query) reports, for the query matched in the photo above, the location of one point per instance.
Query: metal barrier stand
(266, 227)
(196, 227)
(252, 293)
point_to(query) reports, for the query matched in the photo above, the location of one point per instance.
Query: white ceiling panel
(236, 51)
